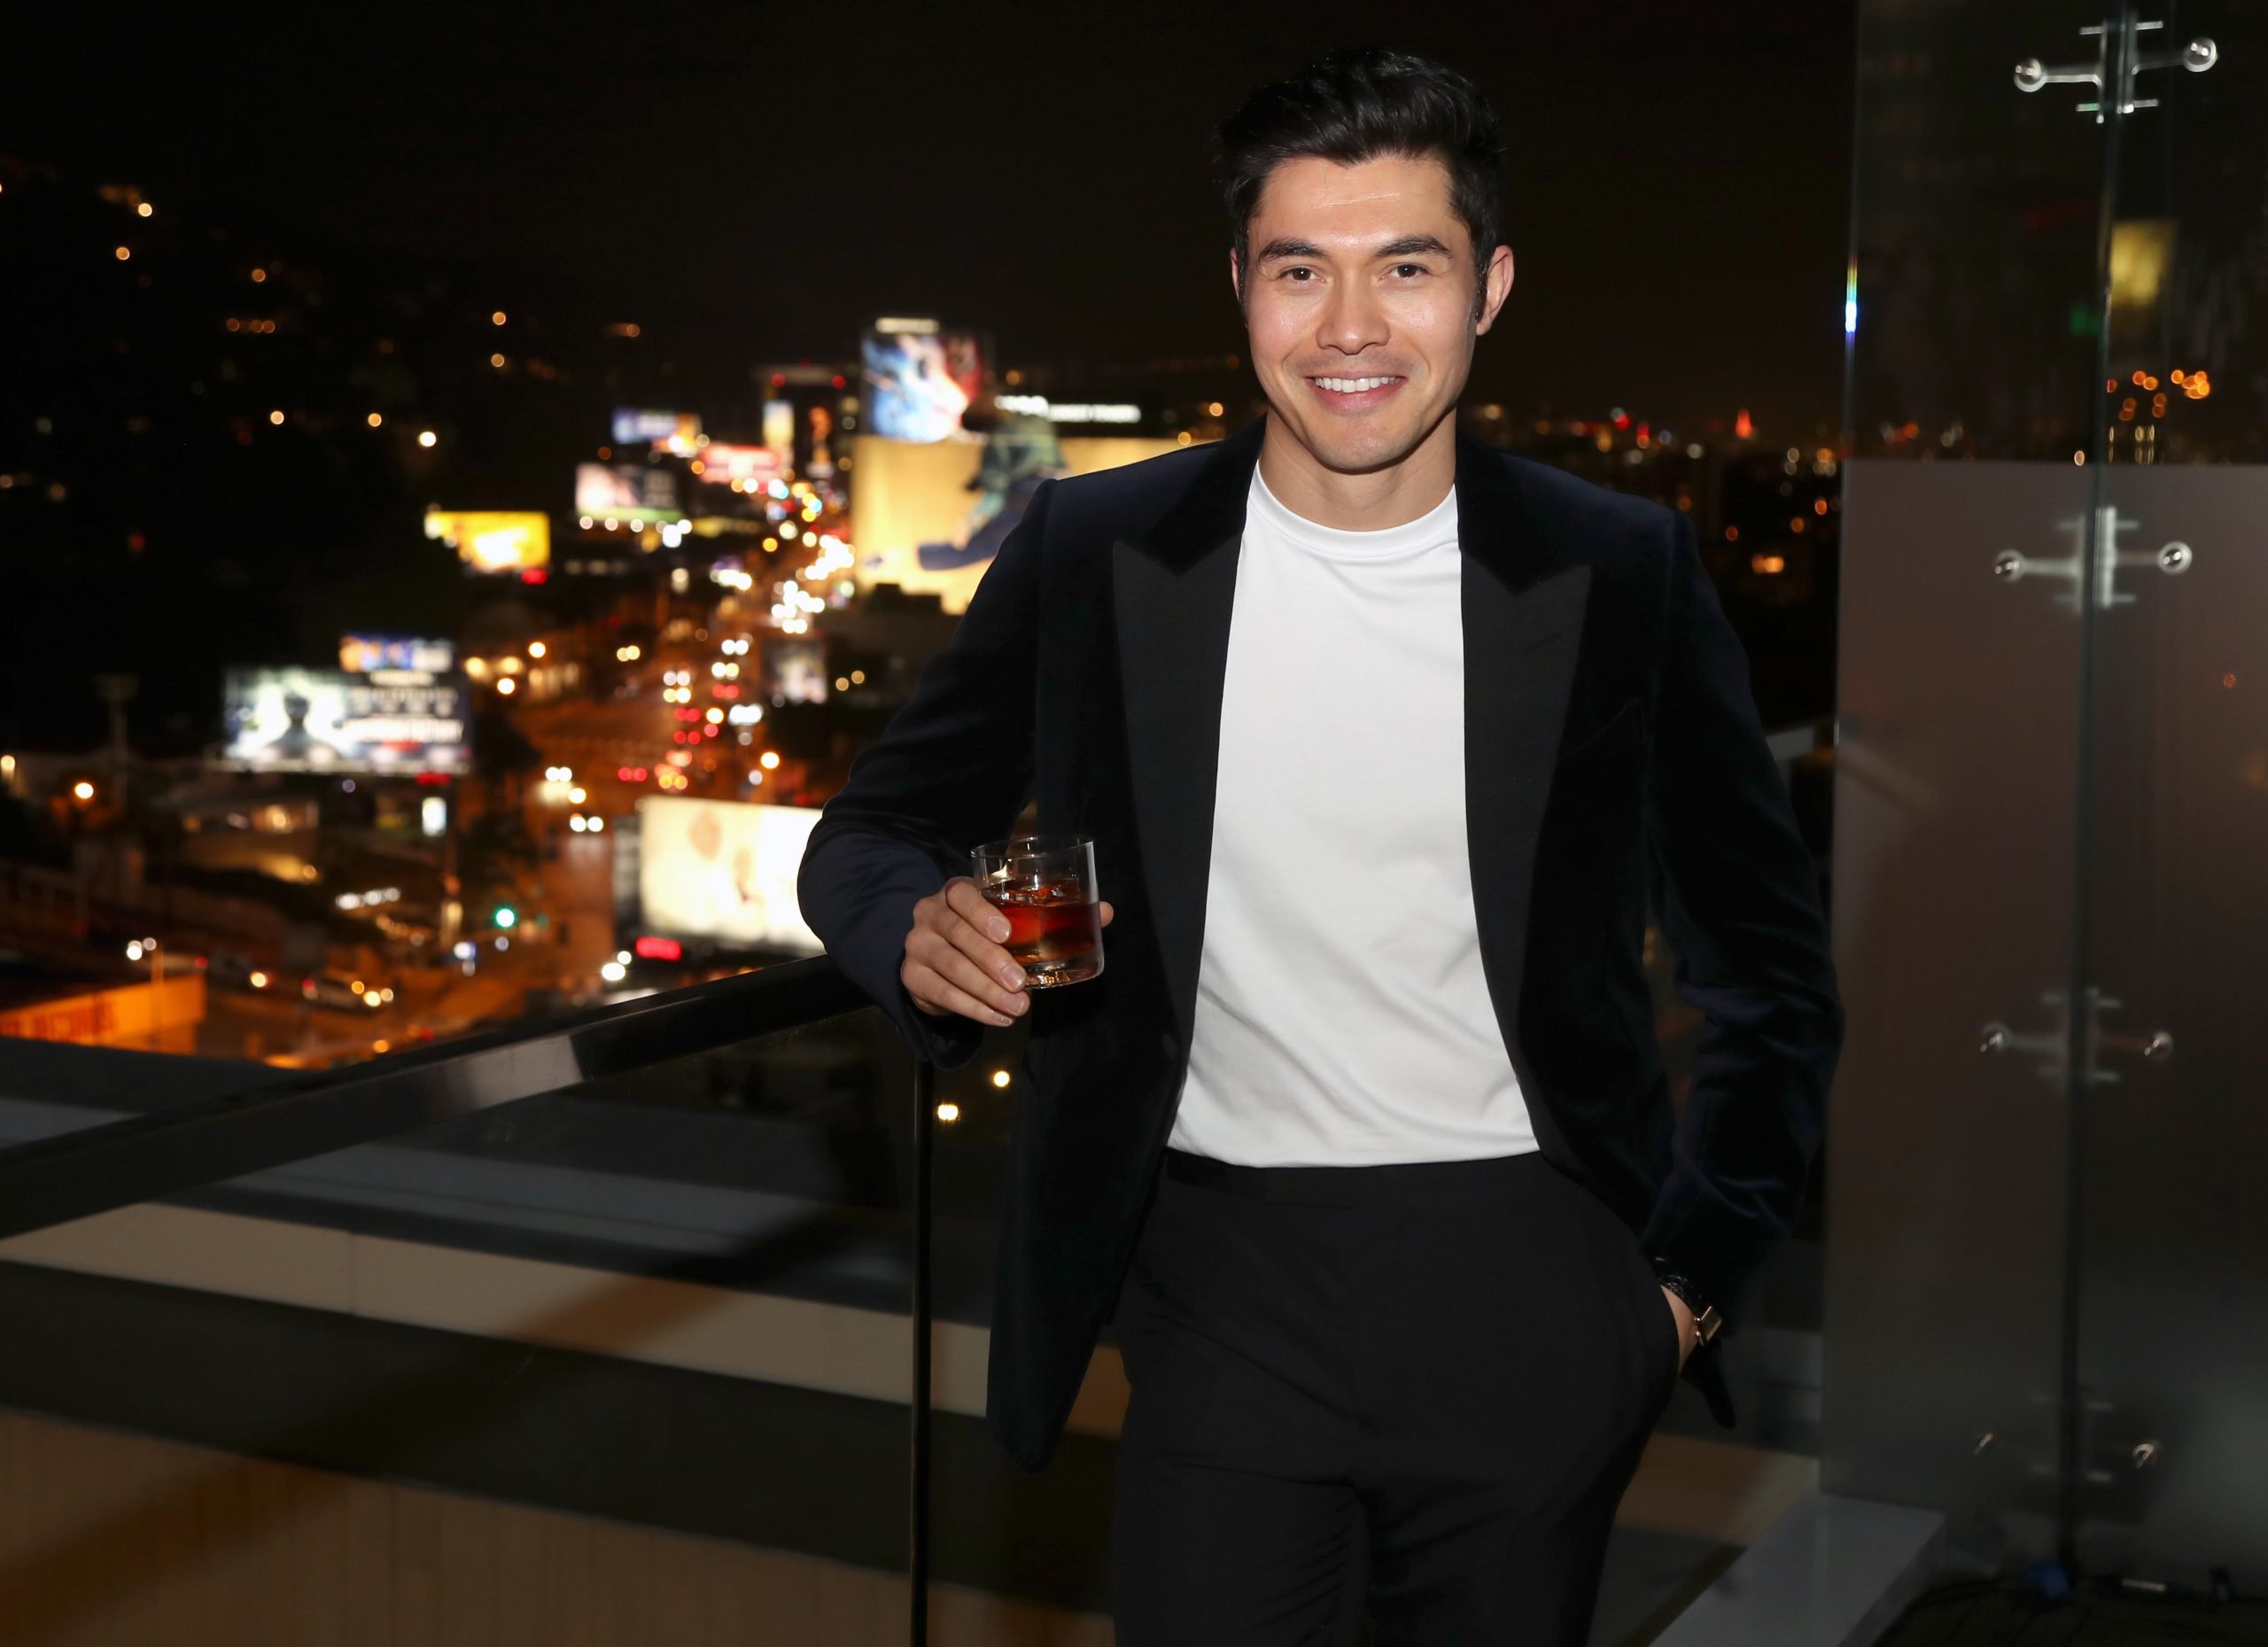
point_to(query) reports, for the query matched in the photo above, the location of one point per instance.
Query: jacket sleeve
(950, 772)
(1740, 905)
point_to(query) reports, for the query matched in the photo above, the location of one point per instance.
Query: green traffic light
(505, 917)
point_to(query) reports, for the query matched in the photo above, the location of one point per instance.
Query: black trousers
(1416, 1391)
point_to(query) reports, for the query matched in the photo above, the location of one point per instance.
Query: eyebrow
(1408, 245)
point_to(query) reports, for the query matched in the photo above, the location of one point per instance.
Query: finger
(974, 938)
(988, 982)
(1106, 911)
(988, 972)
(963, 899)
(934, 970)
(939, 996)
(990, 961)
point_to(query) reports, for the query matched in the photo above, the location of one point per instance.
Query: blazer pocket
(1608, 734)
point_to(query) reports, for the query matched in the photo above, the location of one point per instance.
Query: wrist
(1706, 1318)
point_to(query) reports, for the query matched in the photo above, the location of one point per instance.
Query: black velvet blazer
(1612, 748)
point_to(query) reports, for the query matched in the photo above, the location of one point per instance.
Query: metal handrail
(121, 1164)
(96, 1170)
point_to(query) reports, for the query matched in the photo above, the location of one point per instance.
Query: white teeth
(1353, 385)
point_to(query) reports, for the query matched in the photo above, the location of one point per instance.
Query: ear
(1496, 281)
(1236, 277)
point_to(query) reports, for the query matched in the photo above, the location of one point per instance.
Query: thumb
(1106, 911)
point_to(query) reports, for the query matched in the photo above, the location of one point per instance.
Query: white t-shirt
(1342, 1015)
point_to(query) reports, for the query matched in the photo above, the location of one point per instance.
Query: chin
(1353, 452)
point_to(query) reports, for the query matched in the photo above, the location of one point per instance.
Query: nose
(1353, 321)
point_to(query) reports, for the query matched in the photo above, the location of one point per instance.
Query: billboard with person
(325, 720)
(919, 382)
(725, 870)
(626, 492)
(915, 507)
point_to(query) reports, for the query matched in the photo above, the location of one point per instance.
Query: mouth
(1355, 395)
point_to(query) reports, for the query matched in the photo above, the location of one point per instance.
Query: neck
(1368, 501)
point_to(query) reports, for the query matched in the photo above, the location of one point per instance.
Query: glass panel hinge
(2198, 56)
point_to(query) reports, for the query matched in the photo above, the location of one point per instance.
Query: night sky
(755, 182)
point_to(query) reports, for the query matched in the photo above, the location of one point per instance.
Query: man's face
(1359, 300)
(706, 834)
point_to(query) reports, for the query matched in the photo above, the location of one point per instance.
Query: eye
(1297, 269)
(1409, 269)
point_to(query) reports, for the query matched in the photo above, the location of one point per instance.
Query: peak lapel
(1172, 589)
(1522, 615)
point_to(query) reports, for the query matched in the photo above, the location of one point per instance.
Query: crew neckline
(1429, 531)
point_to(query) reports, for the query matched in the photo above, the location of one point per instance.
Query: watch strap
(1706, 1319)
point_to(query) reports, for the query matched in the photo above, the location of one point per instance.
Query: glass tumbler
(1045, 884)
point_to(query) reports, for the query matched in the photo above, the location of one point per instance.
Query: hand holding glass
(1045, 886)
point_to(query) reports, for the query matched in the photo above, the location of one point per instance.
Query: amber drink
(1045, 884)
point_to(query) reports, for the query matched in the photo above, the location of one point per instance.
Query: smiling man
(1385, 738)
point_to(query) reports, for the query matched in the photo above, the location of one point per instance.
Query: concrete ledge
(1831, 1572)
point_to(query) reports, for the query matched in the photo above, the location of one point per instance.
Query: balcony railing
(94, 1161)
(749, 1176)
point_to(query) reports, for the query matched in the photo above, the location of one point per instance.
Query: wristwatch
(1707, 1320)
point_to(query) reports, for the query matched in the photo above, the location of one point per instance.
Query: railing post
(925, 1124)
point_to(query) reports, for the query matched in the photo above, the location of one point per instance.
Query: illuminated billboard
(161, 1015)
(493, 540)
(913, 505)
(723, 870)
(918, 384)
(630, 492)
(372, 653)
(322, 720)
(679, 432)
(795, 672)
(743, 467)
(780, 430)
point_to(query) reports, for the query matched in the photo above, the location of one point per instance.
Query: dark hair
(1356, 105)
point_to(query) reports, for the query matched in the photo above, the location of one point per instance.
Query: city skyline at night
(1676, 188)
